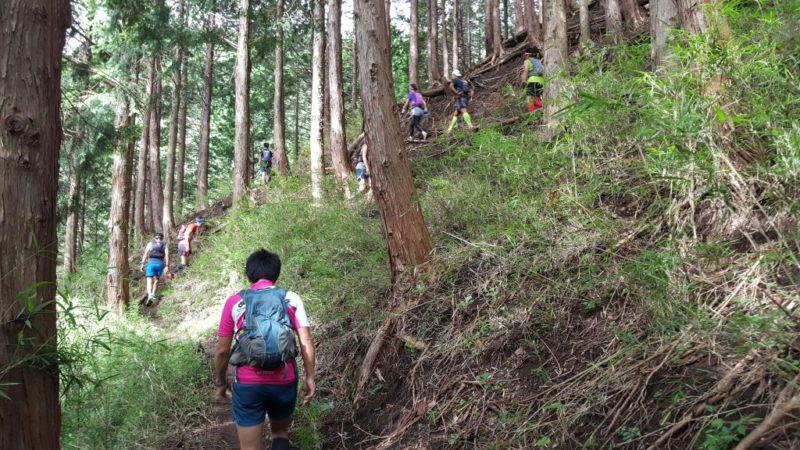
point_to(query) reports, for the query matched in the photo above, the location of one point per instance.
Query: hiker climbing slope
(463, 93)
(156, 257)
(419, 110)
(265, 163)
(532, 78)
(186, 235)
(266, 377)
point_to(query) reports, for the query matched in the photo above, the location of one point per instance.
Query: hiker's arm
(309, 363)
(452, 89)
(221, 358)
(523, 73)
(146, 254)
(405, 106)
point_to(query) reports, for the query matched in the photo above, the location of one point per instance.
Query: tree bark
(117, 285)
(613, 20)
(413, 43)
(180, 163)
(583, 18)
(555, 58)
(519, 16)
(692, 16)
(241, 146)
(172, 144)
(433, 40)
(180, 150)
(154, 169)
(456, 21)
(31, 41)
(315, 133)
(634, 15)
(205, 120)
(407, 237)
(664, 15)
(141, 167)
(445, 51)
(341, 168)
(279, 119)
(354, 71)
(74, 204)
(82, 219)
(532, 24)
(497, 40)
(505, 20)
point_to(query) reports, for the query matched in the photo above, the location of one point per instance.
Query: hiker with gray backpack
(261, 331)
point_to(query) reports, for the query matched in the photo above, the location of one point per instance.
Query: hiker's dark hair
(532, 51)
(266, 144)
(414, 87)
(263, 264)
(159, 235)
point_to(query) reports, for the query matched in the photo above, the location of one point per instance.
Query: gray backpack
(267, 339)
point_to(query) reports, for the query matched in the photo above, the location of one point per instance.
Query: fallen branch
(788, 400)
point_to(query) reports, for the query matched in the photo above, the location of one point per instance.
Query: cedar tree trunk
(241, 143)
(341, 168)
(433, 40)
(413, 44)
(205, 121)
(118, 270)
(664, 14)
(315, 133)
(555, 57)
(613, 20)
(279, 119)
(407, 237)
(31, 42)
(154, 170)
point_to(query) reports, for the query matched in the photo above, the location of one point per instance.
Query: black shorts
(534, 89)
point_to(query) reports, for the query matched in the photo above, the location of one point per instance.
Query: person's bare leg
(280, 430)
(250, 437)
(155, 286)
(149, 286)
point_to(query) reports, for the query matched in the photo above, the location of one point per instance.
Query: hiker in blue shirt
(463, 93)
(265, 163)
(532, 78)
(419, 110)
(157, 257)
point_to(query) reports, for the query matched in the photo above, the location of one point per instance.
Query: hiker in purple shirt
(419, 110)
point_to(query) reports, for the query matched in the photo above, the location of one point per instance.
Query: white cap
(456, 73)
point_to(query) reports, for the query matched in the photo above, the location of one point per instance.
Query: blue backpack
(267, 339)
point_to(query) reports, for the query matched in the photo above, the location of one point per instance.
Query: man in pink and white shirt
(258, 392)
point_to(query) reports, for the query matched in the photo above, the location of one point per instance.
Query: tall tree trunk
(532, 24)
(456, 22)
(388, 6)
(172, 144)
(519, 15)
(354, 70)
(118, 270)
(583, 17)
(315, 133)
(154, 169)
(464, 32)
(296, 149)
(497, 40)
(445, 45)
(413, 44)
(31, 41)
(141, 167)
(74, 204)
(241, 172)
(205, 121)
(432, 40)
(407, 237)
(82, 219)
(506, 25)
(613, 20)
(555, 58)
(693, 18)
(341, 168)
(664, 14)
(279, 120)
(487, 27)
(634, 15)
(180, 162)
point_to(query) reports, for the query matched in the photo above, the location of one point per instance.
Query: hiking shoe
(424, 135)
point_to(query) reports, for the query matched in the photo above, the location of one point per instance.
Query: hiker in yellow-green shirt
(532, 78)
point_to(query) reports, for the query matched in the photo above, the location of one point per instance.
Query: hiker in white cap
(463, 92)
